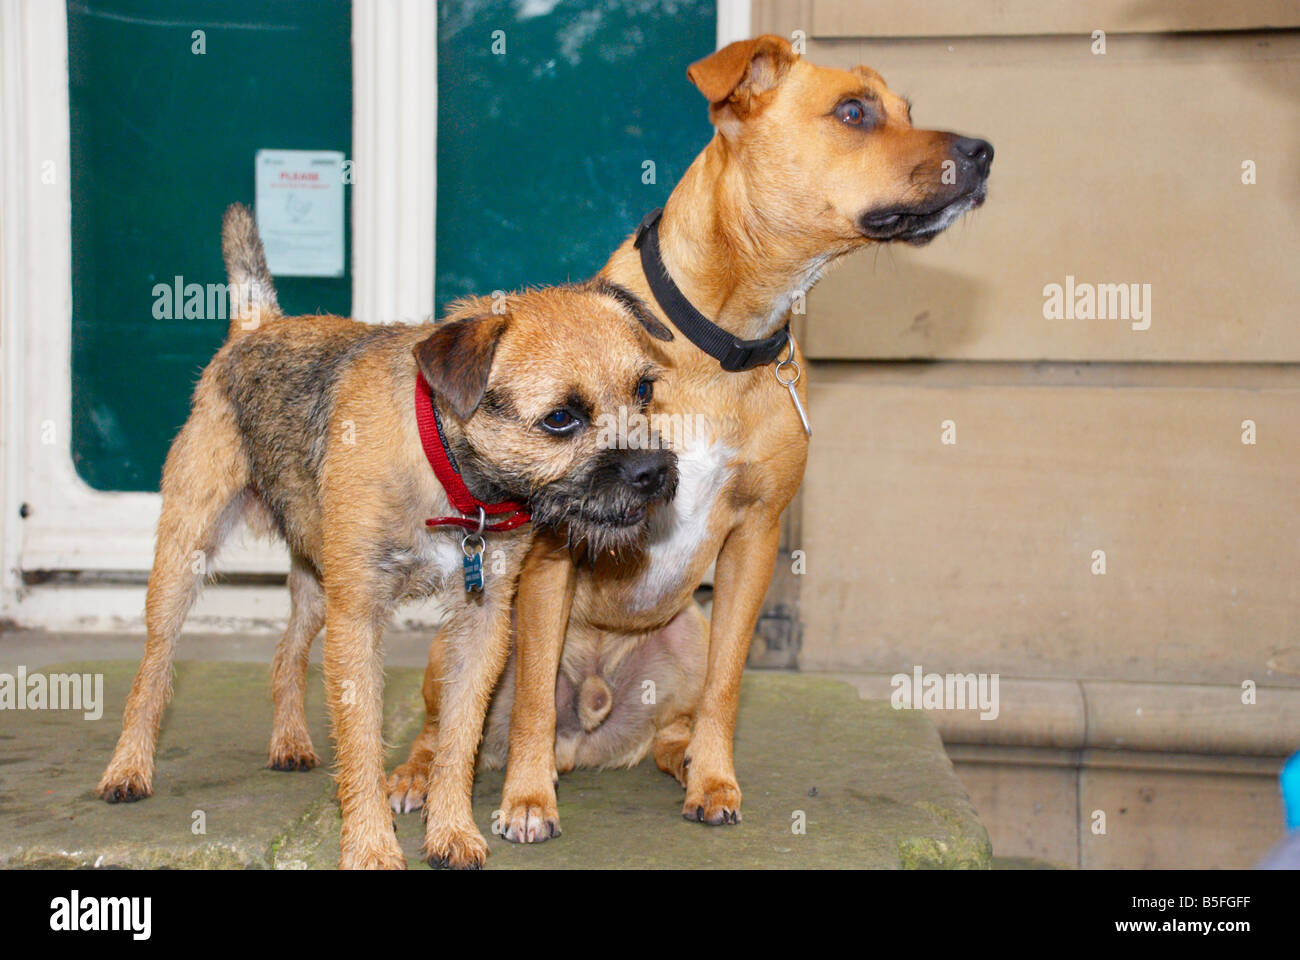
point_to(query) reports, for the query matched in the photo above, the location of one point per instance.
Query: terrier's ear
(741, 72)
(457, 358)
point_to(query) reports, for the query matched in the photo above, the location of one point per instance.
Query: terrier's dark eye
(560, 422)
(851, 113)
(645, 390)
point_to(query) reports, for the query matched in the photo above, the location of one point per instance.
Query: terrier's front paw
(713, 801)
(406, 787)
(531, 817)
(455, 847)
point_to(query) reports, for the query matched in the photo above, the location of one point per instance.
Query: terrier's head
(529, 380)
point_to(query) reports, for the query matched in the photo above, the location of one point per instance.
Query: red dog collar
(435, 449)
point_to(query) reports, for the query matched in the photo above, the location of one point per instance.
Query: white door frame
(733, 21)
(394, 152)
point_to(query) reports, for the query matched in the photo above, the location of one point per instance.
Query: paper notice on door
(299, 209)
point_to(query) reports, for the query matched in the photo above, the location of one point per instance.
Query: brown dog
(808, 165)
(339, 437)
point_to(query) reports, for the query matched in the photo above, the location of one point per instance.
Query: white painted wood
(220, 608)
(12, 290)
(394, 141)
(733, 21)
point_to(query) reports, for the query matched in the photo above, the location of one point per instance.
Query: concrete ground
(873, 785)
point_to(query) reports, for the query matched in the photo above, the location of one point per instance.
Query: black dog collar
(734, 354)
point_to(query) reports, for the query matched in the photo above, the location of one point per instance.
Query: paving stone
(872, 787)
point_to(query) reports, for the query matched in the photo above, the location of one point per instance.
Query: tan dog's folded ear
(457, 358)
(742, 71)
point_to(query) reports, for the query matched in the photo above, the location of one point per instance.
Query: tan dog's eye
(851, 113)
(645, 390)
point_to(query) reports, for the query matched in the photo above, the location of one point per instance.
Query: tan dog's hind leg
(473, 657)
(409, 781)
(528, 807)
(670, 743)
(291, 747)
(354, 685)
(676, 715)
(202, 488)
(712, 793)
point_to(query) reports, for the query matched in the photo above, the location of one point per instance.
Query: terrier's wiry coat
(306, 426)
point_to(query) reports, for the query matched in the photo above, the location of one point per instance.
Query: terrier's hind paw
(123, 788)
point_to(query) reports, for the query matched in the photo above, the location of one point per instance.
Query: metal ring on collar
(465, 547)
(476, 535)
(790, 362)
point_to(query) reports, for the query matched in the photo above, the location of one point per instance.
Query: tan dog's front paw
(290, 754)
(530, 818)
(713, 801)
(406, 787)
(123, 785)
(455, 847)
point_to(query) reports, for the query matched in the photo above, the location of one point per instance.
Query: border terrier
(807, 165)
(353, 443)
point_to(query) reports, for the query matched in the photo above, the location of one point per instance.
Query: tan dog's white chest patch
(679, 529)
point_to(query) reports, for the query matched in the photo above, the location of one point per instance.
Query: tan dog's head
(831, 155)
(529, 380)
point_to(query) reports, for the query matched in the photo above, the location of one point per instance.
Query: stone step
(874, 786)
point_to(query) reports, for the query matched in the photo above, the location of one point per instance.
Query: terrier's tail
(251, 289)
(595, 700)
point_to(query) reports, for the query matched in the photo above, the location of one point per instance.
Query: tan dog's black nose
(979, 152)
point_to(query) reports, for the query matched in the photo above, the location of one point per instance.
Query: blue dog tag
(473, 568)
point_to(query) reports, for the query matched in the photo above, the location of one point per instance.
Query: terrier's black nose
(980, 152)
(645, 471)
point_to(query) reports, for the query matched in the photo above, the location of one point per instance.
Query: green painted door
(550, 150)
(545, 130)
(163, 138)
